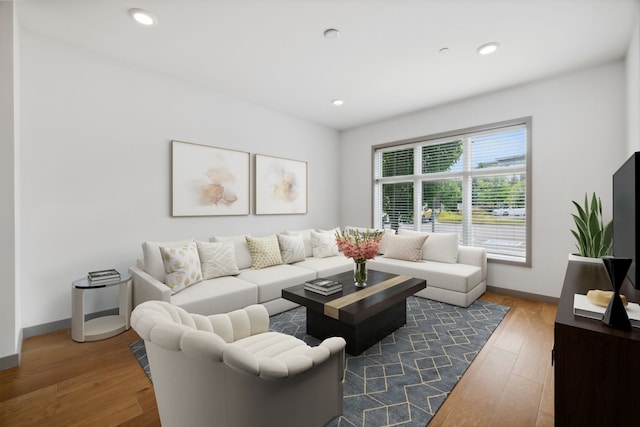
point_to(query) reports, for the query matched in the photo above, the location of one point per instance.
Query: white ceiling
(385, 63)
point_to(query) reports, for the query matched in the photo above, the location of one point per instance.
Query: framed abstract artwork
(280, 186)
(208, 180)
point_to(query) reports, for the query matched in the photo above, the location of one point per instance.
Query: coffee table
(362, 316)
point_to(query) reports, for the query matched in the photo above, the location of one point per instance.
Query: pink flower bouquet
(359, 246)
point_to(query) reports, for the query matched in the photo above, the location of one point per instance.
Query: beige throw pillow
(441, 247)
(217, 259)
(324, 244)
(291, 248)
(408, 248)
(181, 266)
(265, 251)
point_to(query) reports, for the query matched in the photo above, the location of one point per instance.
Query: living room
(87, 167)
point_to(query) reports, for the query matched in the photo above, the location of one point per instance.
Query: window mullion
(467, 204)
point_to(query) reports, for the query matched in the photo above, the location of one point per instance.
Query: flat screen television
(625, 213)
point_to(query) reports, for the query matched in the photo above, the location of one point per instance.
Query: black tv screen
(625, 211)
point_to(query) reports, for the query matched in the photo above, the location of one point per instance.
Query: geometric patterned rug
(405, 378)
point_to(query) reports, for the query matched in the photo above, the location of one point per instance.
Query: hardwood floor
(64, 383)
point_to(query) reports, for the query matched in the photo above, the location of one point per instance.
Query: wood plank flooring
(64, 383)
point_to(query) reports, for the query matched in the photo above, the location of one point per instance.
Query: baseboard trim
(12, 360)
(523, 295)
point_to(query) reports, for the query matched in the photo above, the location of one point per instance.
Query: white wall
(96, 167)
(578, 135)
(633, 92)
(9, 325)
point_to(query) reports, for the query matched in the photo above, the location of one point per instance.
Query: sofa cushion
(243, 256)
(181, 266)
(442, 247)
(327, 266)
(217, 259)
(291, 248)
(265, 251)
(453, 277)
(406, 247)
(271, 281)
(306, 238)
(153, 264)
(324, 244)
(219, 295)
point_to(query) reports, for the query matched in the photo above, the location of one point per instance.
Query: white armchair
(229, 370)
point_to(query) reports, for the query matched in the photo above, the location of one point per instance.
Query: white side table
(100, 327)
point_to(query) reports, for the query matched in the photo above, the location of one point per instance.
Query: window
(475, 183)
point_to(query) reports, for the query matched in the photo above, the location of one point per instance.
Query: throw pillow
(291, 248)
(441, 247)
(153, 259)
(243, 256)
(408, 248)
(306, 237)
(324, 244)
(217, 259)
(181, 266)
(265, 251)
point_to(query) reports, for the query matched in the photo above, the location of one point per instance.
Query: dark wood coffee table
(362, 316)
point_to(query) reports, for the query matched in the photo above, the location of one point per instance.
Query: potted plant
(594, 238)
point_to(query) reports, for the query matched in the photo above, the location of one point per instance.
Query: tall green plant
(594, 239)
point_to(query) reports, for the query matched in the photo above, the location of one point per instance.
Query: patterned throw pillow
(291, 248)
(324, 244)
(408, 248)
(265, 251)
(181, 266)
(217, 259)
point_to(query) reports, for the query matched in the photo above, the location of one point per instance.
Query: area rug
(405, 378)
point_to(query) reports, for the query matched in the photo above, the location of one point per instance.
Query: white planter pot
(576, 257)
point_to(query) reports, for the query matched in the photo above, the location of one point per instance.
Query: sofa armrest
(147, 288)
(473, 255)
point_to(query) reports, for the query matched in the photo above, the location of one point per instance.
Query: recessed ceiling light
(488, 48)
(142, 16)
(331, 33)
(444, 50)
(337, 102)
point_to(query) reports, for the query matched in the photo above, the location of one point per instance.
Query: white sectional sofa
(454, 274)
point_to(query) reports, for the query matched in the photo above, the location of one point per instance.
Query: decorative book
(103, 275)
(323, 286)
(585, 308)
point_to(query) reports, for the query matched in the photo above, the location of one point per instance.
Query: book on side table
(103, 276)
(323, 286)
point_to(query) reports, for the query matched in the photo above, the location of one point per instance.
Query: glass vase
(360, 273)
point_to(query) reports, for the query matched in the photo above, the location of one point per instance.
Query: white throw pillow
(291, 248)
(243, 256)
(217, 259)
(153, 265)
(306, 238)
(441, 247)
(408, 248)
(181, 266)
(265, 251)
(324, 244)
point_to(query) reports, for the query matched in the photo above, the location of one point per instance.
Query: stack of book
(323, 286)
(103, 276)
